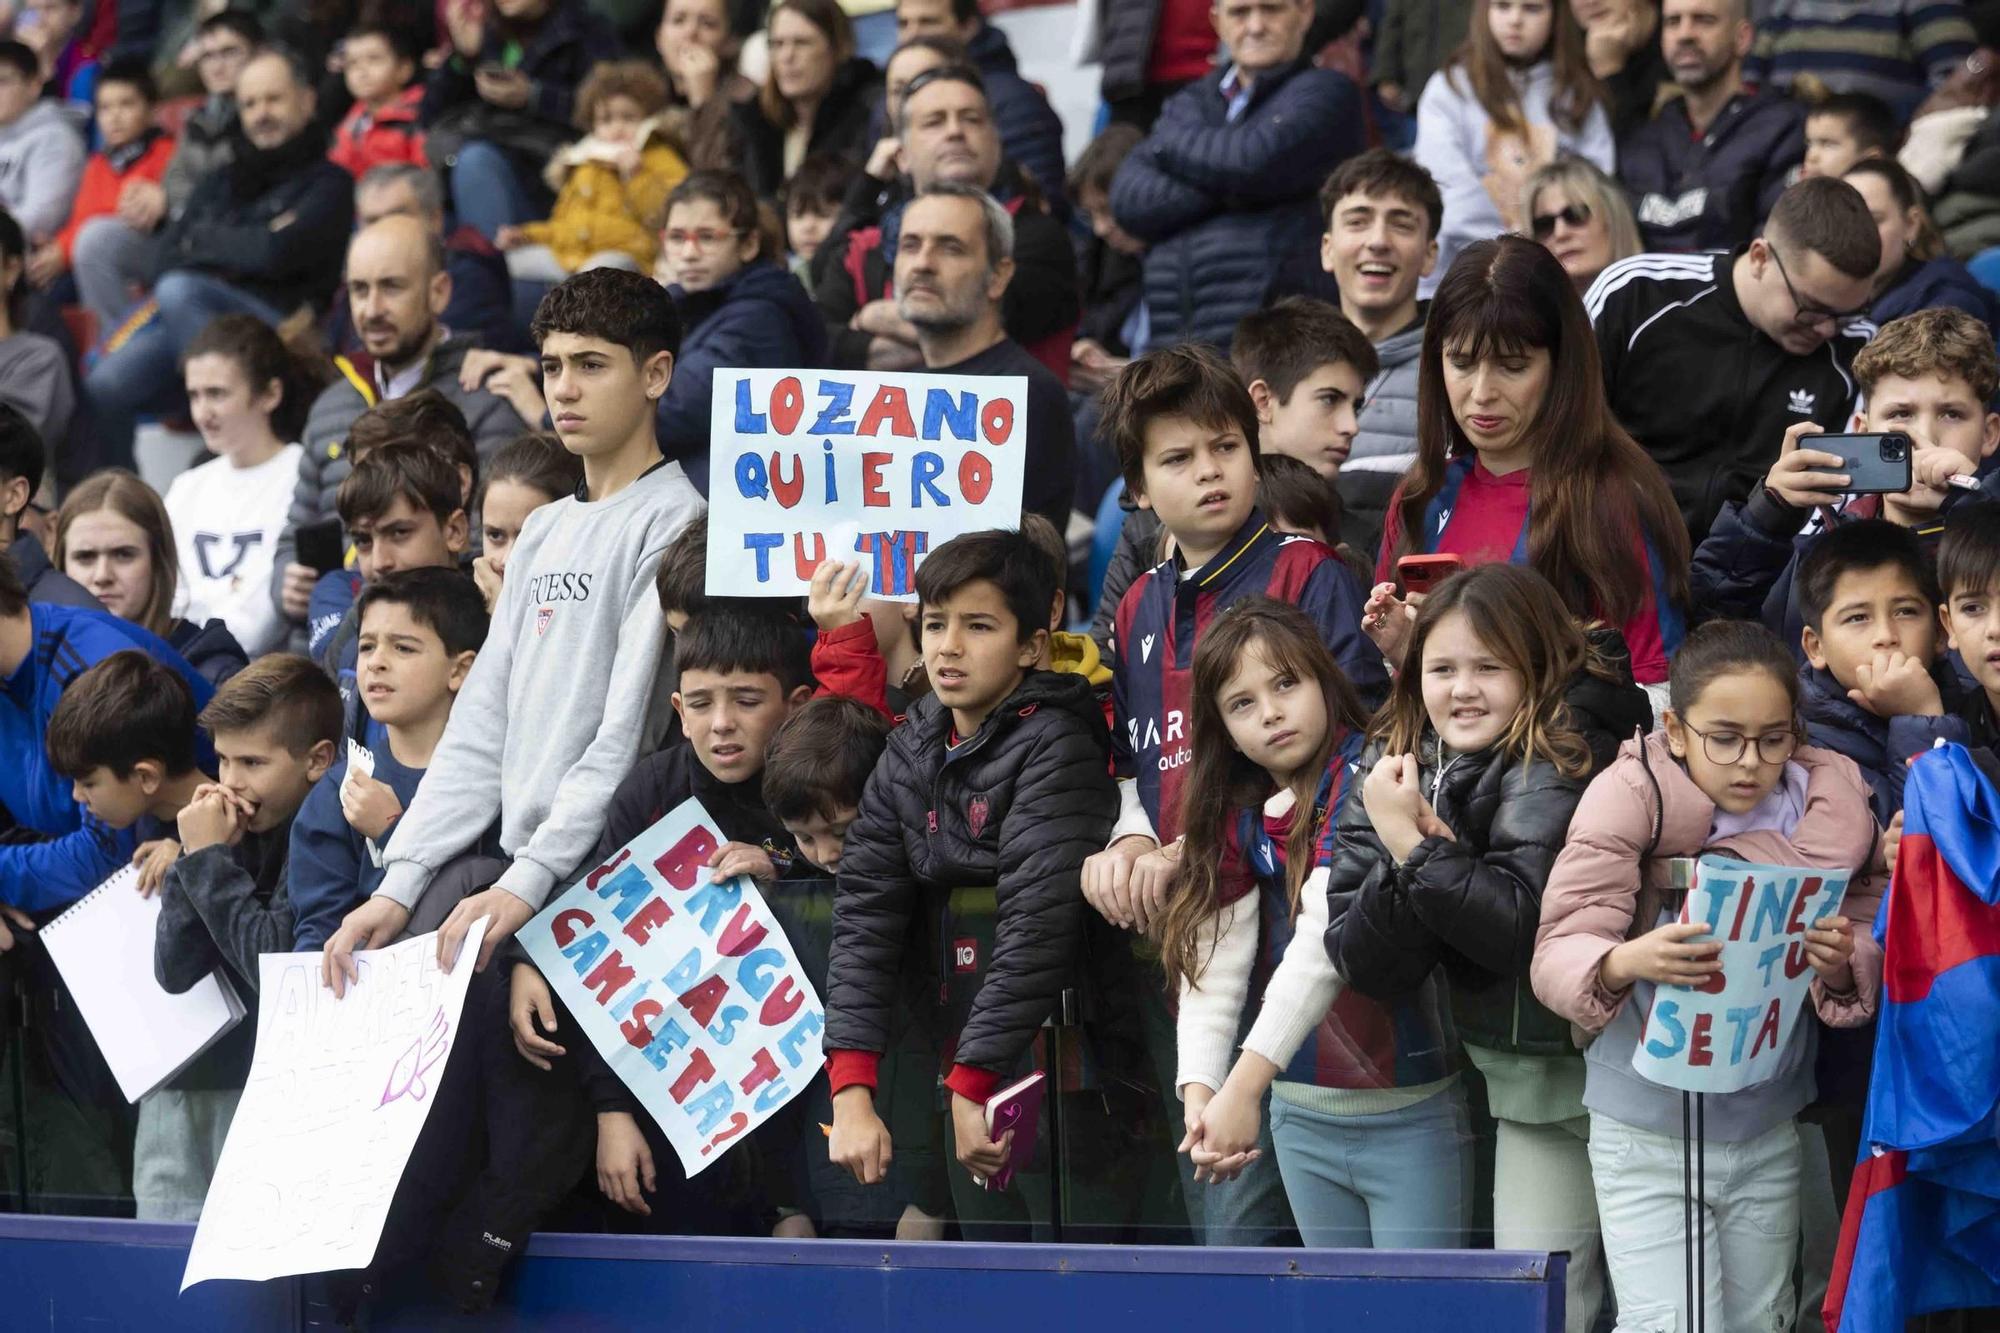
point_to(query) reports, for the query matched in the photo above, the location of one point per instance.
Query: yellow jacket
(597, 208)
(1077, 655)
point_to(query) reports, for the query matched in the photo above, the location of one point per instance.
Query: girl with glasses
(739, 304)
(1725, 774)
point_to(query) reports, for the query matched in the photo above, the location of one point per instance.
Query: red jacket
(97, 194)
(380, 138)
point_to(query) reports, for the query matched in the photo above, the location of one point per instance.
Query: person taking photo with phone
(1927, 377)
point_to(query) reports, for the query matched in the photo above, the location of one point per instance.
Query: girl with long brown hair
(1275, 727)
(1516, 96)
(1519, 459)
(1502, 713)
(114, 537)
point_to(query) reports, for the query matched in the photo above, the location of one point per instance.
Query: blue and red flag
(1922, 1230)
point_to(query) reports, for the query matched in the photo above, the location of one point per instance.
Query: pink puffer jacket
(1595, 901)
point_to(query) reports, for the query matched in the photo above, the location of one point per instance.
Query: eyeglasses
(964, 74)
(1544, 224)
(1727, 747)
(1812, 316)
(707, 238)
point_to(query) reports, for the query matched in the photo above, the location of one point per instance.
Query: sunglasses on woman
(1544, 224)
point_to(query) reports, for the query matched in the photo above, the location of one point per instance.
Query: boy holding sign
(741, 674)
(996, 784)
(420, 632)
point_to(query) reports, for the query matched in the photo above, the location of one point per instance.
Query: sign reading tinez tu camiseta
(1731, 1032)
(813, 465)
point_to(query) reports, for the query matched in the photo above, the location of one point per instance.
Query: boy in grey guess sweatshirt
(551, 717)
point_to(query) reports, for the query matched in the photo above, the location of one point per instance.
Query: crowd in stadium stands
(1424, 542)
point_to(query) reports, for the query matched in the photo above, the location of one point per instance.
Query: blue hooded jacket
(762, 317)
(1937, 282)
(79, 852)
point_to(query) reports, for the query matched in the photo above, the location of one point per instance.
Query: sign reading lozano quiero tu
(814, 465)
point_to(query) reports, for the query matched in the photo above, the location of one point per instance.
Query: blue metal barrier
(70, 1273)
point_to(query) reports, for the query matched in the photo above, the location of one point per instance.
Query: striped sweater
(1895, 49)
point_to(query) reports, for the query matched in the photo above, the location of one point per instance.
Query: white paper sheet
(104, 948)
(338, 1093)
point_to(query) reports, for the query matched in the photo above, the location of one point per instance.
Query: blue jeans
(1251, 1209)
(1396, 1180)
(143, 376)
(486, 191)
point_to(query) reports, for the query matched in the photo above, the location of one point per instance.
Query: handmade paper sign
(1730, 1033)
(338, 1091)
(688, 987)
(814, 465)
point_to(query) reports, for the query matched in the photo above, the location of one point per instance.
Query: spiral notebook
(103, 947)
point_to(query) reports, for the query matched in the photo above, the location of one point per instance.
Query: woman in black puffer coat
(1505, 711)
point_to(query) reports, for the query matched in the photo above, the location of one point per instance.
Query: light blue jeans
(1397, 1180)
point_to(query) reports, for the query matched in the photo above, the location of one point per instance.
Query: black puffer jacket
(1473, 905)
(1017, 806)
(272, 223)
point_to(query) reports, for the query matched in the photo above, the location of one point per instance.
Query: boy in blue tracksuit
(42, 649)
(419, 630)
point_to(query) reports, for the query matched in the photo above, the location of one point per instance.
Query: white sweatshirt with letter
(551, 716)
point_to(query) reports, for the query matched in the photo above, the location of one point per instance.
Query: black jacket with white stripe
(1701, 387)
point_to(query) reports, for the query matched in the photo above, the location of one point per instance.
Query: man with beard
(946, 134)
(953, 267)
(397, 291)
(261, 237)
(1704, 172)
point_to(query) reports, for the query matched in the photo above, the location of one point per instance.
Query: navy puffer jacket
(1030, 131)
(1220, 201)
(760, 317)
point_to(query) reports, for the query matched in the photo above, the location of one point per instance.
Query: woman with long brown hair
(815, 101)
(1502, 714)
(1516, 96)
(1275, 727)
(1519, 459)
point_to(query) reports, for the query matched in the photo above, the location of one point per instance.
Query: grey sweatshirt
(551, 717)
(35, 381)
(41, 164)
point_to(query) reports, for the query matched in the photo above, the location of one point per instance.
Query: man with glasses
(946, 134)
(1225, 188)
(1706, 169)
(1708, 358)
